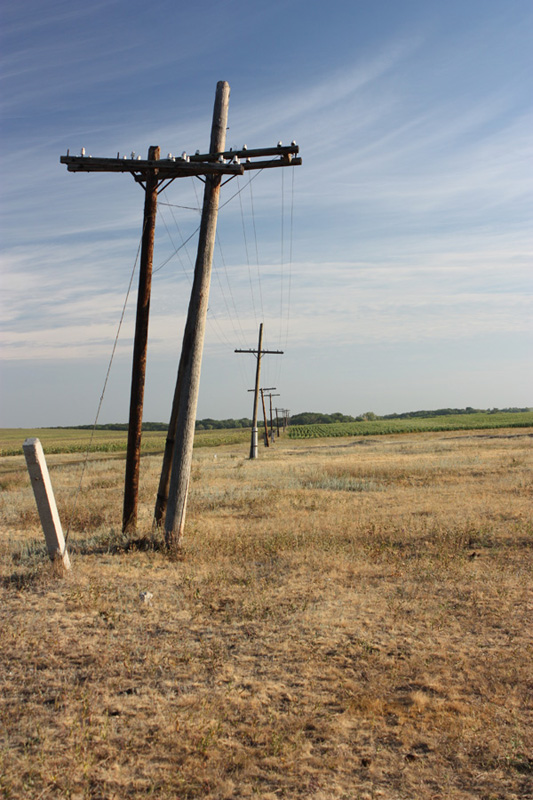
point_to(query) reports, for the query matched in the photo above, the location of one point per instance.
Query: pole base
(253, 446)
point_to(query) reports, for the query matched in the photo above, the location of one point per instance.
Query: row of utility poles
(257, 391)
(282, 419)
(154, 175)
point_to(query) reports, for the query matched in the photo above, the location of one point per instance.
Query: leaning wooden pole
(133, 455)
(193, 339)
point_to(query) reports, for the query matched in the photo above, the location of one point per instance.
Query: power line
(212, 317)
(256, 250)
(282, 254)
(229, 287)
(86, 459)
(176, 205)
(188, 239)
(247, 257)
(171, 256)
(176, 249)
(290, 254)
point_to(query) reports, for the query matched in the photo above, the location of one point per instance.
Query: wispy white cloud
(412, 209)
(437, 298)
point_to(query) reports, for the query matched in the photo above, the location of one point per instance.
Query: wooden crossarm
(163, 168)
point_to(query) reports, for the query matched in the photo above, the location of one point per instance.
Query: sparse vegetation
(348, 619)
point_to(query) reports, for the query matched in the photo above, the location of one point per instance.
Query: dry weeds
(346, 621)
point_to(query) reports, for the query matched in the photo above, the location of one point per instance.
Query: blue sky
(392, 267)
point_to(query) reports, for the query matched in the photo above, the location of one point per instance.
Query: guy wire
(103, 389)
(290, 258)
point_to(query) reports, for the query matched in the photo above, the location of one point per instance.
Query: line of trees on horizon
(317, 418)
(305, 418)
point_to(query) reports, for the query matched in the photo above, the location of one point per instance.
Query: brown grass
(346, 621)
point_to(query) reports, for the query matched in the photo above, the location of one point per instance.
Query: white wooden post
(46, 504)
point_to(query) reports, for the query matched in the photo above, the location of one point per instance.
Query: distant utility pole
(267, 443)
(270, 396)
(285, 416)
(154, 175)
(259, 352)
(263, 394)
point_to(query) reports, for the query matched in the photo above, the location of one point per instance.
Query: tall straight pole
(193, 338)
(133, 455)
(253, 445)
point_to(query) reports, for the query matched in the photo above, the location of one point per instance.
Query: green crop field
(450, 422)
(75, 440)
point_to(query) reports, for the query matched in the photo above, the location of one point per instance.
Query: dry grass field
(348, 619)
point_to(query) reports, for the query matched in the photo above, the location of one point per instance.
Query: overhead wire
(212, 318)
(175, 252)
(282, 252)
(195, 231)
(285, 269)
(254, 176)
(256, 251)
(284, 304)
(247, 257)
(195, 190)
(241, 337)
(291, 239)
(211, 315)
(86, 459)
(176, 205)
(276, 367)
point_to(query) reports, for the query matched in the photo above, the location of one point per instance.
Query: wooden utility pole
(263, 393)
(259, 352)
(155, 174)
(253, 443)
(284, 412)
(270, 396)
(267, 442)
(193, 338)
(283, 156)
(138, 372)
(267, 392)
